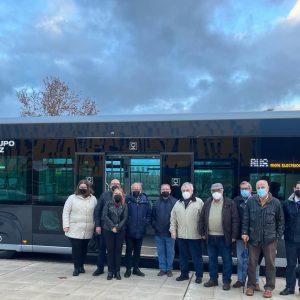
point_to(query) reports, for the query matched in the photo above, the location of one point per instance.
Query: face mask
(117, 198)
(135, 194)
(262, 192)
(297, 193)
(217, 195)
(186, 195)
(83, 191)
(165, 194)
(114, 187)
(245, 193)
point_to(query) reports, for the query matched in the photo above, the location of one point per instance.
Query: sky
(152, 57)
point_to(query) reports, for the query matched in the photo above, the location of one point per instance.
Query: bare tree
(55, 100)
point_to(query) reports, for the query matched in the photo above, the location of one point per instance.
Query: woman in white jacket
(78, 222)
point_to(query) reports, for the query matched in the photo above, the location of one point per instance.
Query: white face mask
(186, 195)
(217, 195)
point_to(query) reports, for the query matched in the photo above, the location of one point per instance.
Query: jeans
(242, 263)
(79, 251)
(193, 247)
(133, 252)
(114, 242)
(216, 247)
(165, 252)
(269, 253)
(101, 251)
(291, 249)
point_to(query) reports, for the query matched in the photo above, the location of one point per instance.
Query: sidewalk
(33, 279)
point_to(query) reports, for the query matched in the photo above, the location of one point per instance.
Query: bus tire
(6, 254)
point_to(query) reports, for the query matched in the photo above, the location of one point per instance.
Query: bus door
(177, 168)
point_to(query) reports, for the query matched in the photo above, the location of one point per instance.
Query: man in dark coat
(263, 226)
(139, 216)
(161, 214)
(291, 209)
(104, 198)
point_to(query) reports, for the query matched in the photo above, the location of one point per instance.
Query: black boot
(118, 276)
(109, 276)
(127, 273)
(138, 272)
(76, 272)
(81, 269)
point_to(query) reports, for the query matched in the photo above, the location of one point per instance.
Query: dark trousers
(133, 252)
(114, 243)
(79, 251)
(291, 250)
(193, 247)
(102, 257)
(269, 253)
(216, 247)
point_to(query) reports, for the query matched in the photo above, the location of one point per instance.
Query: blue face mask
(262, 192)
(245, 193)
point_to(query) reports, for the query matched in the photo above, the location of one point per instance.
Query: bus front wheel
(7, 254)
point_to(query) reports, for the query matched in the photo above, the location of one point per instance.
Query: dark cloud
(148, 56)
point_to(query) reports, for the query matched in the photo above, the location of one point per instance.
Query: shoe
(169, 273)
(238, 284)
(182, 277)
(210, 283)
(250, 292)
(76, 272)
(98, 272)
(267, 294)
(198, 280)
(226, 286)
(118, 276)
(257, 288)
(109, 276)
(287, 291)
(138, 272)
(161, 273)
(127, 274)
(81, 270)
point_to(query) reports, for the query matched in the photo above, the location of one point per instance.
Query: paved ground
(33, 279)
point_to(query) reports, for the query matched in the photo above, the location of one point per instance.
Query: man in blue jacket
(161, 214)
(291, 210)
(139, 216)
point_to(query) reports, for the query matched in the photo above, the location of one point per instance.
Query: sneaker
(226, 286)
(98, 272)
(169, 273)
(138, 272)
(161, 273)
(238, 284)
(182, 277)
(127, 274)
(198, 280)
(210, 283)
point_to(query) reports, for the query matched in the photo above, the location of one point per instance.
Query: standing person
(242, 263)
(114, 220)
(104, 198)
(161, 214)
(139, 216)
(263, 226)
(185, 217)
(219, 226)
(78, 223)
(291, 210)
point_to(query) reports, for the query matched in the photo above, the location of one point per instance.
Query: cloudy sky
(159, 56)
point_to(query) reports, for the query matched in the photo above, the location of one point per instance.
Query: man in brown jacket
(219, 226)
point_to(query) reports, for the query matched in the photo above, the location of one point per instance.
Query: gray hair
(190, 185)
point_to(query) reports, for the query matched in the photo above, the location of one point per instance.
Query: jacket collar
(193, 198)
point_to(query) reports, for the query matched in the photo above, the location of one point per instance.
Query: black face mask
(114, 187)
(135, 194)
(297, 193)
(117, 198)
(165, 194)
(83, 191)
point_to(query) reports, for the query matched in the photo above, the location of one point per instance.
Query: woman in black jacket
(114, 219)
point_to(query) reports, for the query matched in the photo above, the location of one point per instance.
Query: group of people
(252, 222)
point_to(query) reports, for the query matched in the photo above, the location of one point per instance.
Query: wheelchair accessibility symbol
(175, 181)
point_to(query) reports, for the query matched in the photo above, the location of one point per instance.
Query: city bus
(43, 158)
